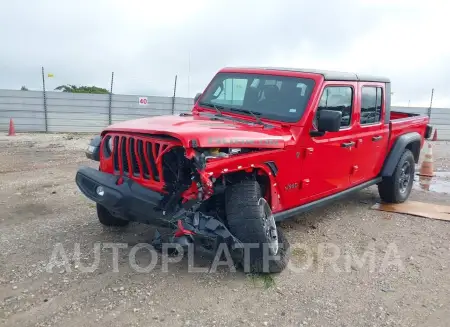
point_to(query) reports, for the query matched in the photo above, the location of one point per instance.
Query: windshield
(279, 98)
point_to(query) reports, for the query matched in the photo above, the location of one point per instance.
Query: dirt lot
(42, 207)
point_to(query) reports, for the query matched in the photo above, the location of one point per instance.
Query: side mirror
(198, 95)
(328, 121)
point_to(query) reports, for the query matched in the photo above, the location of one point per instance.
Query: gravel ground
(41, 207)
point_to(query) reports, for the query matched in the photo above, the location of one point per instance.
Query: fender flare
(397, 150)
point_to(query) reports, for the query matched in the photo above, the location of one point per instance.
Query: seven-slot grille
(139, 157)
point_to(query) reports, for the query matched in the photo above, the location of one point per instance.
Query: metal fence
(78, 112)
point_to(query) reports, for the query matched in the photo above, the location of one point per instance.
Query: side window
(339, 98)
(371, 104)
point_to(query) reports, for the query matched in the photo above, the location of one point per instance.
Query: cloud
(147, 43)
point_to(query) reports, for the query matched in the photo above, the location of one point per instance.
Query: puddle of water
(443, 174)
(439, 183)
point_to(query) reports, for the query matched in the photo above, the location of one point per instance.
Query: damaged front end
(156, 181)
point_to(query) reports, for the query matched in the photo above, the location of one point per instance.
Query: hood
(202, 131)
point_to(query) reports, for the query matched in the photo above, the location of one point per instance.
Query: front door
(328, 160)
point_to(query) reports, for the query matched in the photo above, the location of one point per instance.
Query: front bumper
(129, 200)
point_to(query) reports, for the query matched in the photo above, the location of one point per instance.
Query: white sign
(143, 101)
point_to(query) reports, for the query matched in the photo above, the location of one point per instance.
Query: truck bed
(403, 122)
(400, 115)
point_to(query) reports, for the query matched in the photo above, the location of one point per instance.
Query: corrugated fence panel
(183, 105)
(79, 112)
(444, 120)
(26, 108)
(125, 107)
(443, 135)
(440, 116)
(440, 120)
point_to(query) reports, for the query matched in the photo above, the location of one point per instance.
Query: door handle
(348, 144)
(377, 138)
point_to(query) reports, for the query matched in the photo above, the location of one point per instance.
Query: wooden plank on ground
(414, 208)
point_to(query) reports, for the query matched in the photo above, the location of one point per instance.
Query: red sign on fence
(143, 101)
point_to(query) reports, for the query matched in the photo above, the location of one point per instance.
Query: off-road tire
(107, 219)
(390, 187)
(245, 220)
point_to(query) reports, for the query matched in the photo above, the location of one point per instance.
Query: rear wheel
(250, 219)
(105, 217)
(397, 188)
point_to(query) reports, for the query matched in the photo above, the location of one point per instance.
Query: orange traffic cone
(434, 135)
(12, 130)
(427, 167)
(424, 182)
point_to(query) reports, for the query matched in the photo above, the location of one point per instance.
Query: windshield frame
(220, 77)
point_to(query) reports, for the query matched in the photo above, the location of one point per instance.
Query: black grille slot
(115, 152)
(123, 156)
(152, 160)
(133, 156)
(141, 157)
(134, 159)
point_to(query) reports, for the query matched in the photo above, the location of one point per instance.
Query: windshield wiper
(253, 113)
(212, 105)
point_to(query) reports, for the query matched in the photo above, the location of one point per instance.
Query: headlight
(214, 153)
(110, 145)
(93, 149)
(217, 153)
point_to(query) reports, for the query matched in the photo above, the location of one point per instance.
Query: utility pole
(45, 100)
(110, 100)
(174, 94)
(431, 103)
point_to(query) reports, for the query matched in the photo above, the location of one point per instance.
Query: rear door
(328, 159)
(371, 132)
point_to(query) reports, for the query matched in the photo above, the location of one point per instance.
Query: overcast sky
(146, 43)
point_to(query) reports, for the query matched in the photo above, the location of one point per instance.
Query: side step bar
(321, 202)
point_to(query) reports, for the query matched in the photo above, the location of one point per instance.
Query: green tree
(81, 89)
(24, 88)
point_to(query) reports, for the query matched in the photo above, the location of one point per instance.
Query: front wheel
(397, 188)
(250, 219)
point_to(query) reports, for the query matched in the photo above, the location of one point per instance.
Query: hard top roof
(328, 75)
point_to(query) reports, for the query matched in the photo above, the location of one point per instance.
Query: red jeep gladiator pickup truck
(260, 145)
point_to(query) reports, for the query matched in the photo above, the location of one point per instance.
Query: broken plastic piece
(182, 231)
(212, 224)
(196, 219)
(157, 241)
